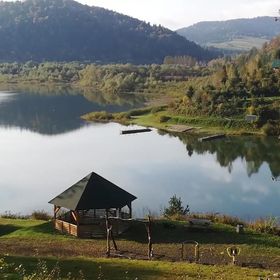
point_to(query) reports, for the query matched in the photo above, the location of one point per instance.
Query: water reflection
(254, 151)
(150, 166)
(56, 111)
(6, 97)
(45, 148)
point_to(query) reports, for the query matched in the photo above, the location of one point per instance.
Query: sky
(176, 14)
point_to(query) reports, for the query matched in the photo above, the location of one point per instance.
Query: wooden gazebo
(89, 202)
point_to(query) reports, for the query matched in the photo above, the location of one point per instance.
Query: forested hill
(65, 30)
(237, 33)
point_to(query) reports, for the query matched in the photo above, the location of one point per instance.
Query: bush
(40, 215)
(121, 117)
(175, 209)
(268, 225)
(10, 215)
(99, 116)
(156, 109)
(163, 119)
(267, 114)
(271, 128)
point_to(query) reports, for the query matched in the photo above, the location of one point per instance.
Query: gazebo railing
(92, 223)
(65, 227)
(90, 216)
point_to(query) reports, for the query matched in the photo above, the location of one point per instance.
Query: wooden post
(150, 243)
(130, 210)
(108, 251)
(113, 239)
(75, 216)
(196, 252)
(118, 214)
(110, 235)
(56, 210)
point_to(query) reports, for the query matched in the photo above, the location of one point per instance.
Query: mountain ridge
(229, 32)
(65, 30)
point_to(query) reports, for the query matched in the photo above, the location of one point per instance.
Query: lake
(45, 147)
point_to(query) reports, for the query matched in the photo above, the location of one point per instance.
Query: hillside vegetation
(244, 85)
(107, 79)
(236, 34)
(65, 30)
(223, 94)
(220, 94)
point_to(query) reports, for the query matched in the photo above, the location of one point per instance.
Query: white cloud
(179, 13)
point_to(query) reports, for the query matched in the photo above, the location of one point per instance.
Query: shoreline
(163, 120)
(156, 115)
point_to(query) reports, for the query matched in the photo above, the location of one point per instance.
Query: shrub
(268, 225)
(271, 128)
(156, 109)
(10, 215)
(267, 114)
(99, 116)
(40, 215)
(175, 209)
(121, 117)
(164, 118)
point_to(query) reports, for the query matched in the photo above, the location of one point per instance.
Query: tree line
(244, 85)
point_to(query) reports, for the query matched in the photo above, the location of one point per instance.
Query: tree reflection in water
(253, 150)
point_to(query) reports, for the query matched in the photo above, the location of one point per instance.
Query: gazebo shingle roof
(93, 192)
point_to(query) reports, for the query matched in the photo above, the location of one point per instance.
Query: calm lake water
(45, 148)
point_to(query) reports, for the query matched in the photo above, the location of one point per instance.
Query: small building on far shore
(87, 203)
(251, 118)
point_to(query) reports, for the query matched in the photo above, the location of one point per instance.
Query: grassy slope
(206, 124)
(24, 239)
(144, 117)
(244, 43)
(150, 117)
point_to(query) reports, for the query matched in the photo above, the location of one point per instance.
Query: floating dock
(132, 131)
(212, 137)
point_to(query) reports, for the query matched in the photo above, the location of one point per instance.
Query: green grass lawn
(117, 269)
(24, 241)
